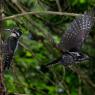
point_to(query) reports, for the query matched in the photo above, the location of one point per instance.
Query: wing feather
(78, 31)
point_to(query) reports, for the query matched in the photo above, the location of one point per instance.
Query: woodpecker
(10, 46)
(73, 39)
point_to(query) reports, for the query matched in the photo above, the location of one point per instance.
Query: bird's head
(15, 32)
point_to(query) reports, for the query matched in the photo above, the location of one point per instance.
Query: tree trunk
(2, 88)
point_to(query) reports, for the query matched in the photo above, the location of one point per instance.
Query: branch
(41, 13)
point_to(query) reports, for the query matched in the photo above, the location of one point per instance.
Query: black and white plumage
(10, 46)
(79, 29)
(73, 39)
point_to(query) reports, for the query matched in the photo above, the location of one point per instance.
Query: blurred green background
(36, 48)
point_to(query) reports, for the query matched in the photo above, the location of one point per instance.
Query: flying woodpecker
(73, 39)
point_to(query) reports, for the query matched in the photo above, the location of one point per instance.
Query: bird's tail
(45, 68)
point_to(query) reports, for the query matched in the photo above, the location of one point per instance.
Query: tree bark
(2, 88)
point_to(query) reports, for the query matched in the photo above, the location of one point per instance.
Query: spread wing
(78, 31)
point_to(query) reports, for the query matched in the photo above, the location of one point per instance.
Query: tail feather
(45, 68)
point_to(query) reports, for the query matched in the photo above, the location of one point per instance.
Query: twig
(58, 5)
(25, 47)
(79, 88)
(16, 94)
(83, 76)
(41, 13)
(66, 88)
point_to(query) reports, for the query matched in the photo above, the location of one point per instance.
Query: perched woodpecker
(10, 46)
(73, 39)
